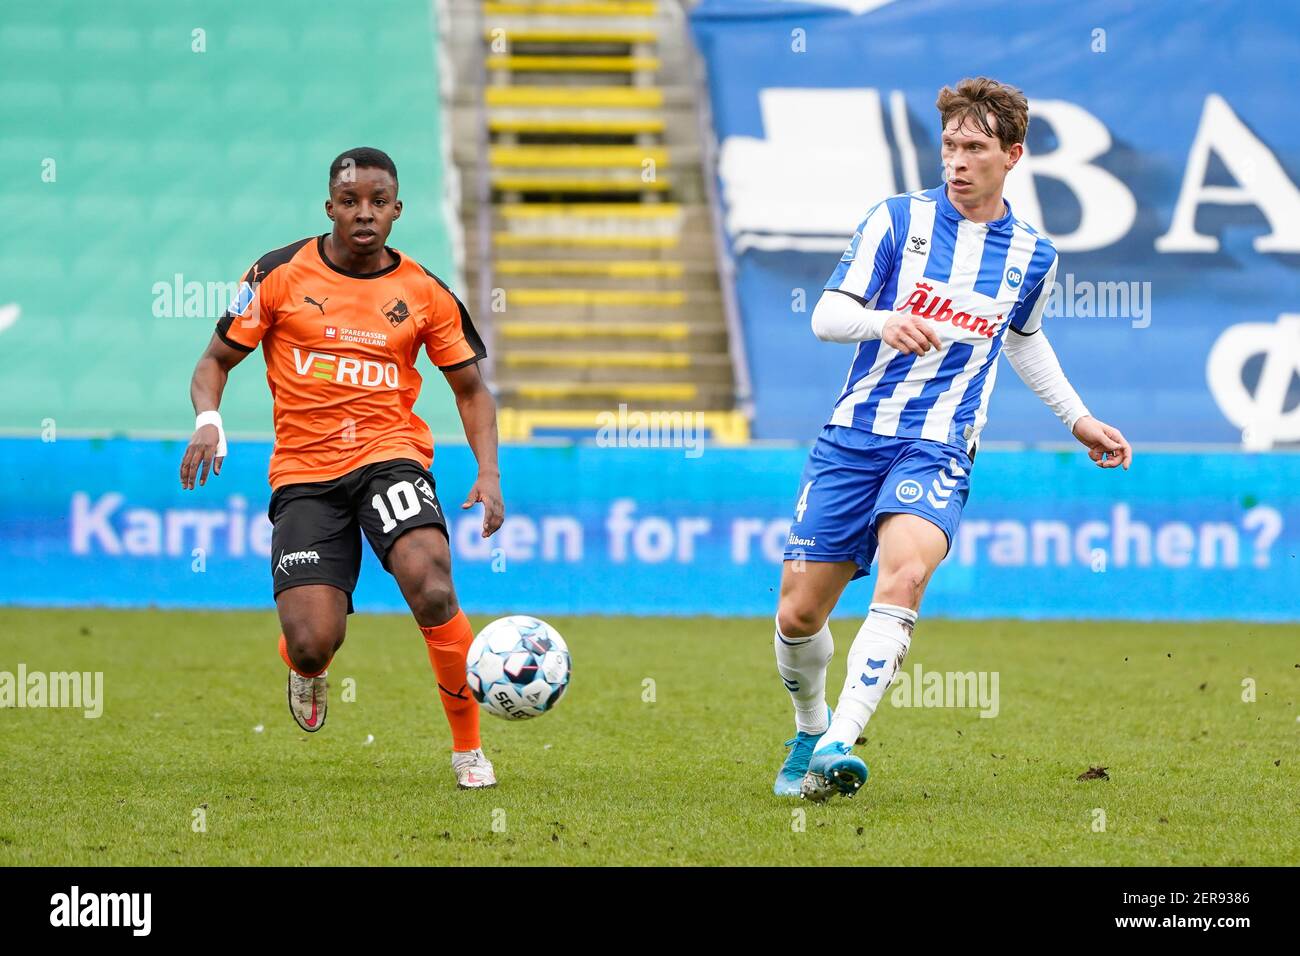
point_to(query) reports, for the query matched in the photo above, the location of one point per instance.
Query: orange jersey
(340, 352)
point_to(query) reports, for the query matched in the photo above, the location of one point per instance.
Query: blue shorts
(853, 477)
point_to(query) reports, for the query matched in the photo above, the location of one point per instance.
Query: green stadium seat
(33, 39)
(87, 322)
(107, 38)
(105, 98)
(32, 97)
(183, 156)
(399, 43)
(337, 44)
(47, 333)
(116, 154)
(257, 37)
(28, 154)
(173, 98)
(171, 38)
(114, 379)
(251, 160)
(168, 211)
(35, 393)
(251, 101)
(106, 207)
(47, 268)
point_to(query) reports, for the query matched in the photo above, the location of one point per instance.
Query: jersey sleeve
(1027, 314)
(866, 262)
(252, 310)
(450, 339)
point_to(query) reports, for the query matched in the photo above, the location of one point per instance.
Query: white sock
(875, 657)
(802, 662)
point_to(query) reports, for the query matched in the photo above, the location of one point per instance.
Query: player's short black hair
(362, 157)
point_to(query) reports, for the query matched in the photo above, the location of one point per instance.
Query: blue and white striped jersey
(916, 253)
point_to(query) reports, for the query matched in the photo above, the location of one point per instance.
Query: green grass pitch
(1196, 774)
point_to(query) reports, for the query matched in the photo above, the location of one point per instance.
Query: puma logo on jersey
(320, 305)
(424, 488)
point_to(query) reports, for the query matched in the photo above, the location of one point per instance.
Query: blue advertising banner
(1162, 158)
(604, 530)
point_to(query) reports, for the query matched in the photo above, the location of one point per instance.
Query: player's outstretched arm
(1036, 363)
(208, 446)
(478, 414)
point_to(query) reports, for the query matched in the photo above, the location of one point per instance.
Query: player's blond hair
(976, 98)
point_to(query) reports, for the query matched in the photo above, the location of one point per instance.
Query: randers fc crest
(395, 311)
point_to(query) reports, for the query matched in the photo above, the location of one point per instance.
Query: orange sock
(284, 656)
(448, 647)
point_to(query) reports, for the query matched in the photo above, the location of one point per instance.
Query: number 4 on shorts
(802, 506)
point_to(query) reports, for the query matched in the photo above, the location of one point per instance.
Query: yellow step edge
(621, 269)
(529, 35)
(541, 210)
(667, 331)
(573, 184)
(657, 391)
(668, 298)
(573, 64)
(520, 424)
(625, 241)
(571, 9)
(569, 156)
(622, 127)
(625, 96)
(656, 360)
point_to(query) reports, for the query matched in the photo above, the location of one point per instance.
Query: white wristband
(213, 418)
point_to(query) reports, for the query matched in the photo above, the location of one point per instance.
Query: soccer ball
(518, 667)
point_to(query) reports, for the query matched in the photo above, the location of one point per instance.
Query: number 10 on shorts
(405, 504)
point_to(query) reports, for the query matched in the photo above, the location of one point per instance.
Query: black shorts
(317, 525)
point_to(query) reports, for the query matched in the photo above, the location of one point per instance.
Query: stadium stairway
(587, 227)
